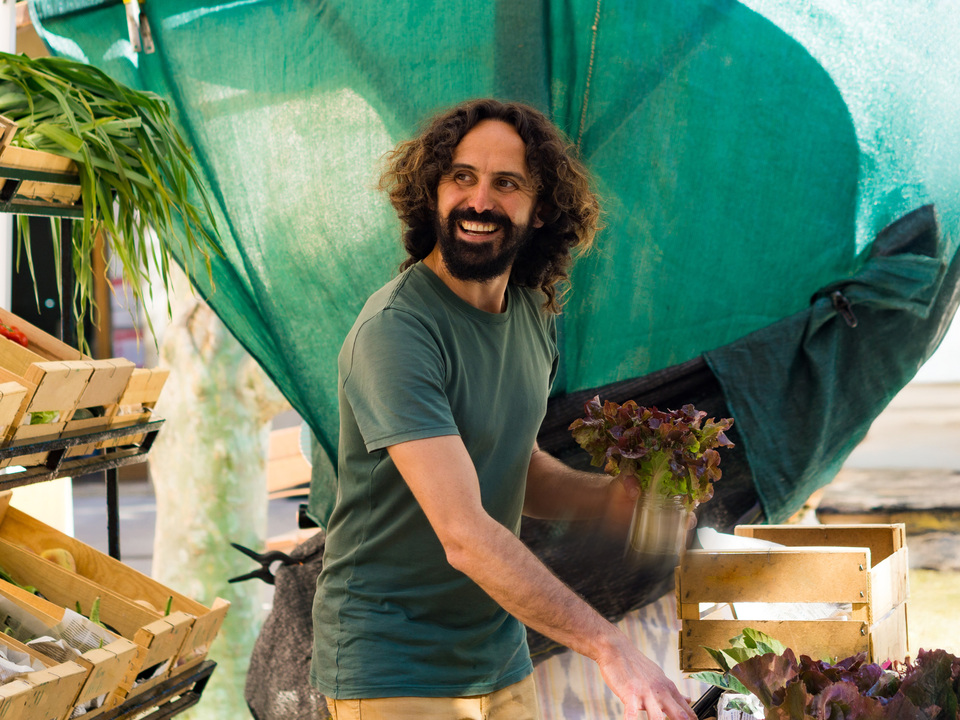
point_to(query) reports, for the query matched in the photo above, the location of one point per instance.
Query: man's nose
(481, 198)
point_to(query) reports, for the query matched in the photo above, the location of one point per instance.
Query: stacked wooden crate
(156, 632)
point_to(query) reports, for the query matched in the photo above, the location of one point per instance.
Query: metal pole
(113, 513)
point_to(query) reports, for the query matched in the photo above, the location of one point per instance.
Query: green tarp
(746, 154)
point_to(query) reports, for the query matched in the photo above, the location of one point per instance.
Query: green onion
(136, 171)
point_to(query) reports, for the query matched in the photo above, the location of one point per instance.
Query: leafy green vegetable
(849, 689)
(43, 417)
(748, 644)
(671, 453)
(136, 171)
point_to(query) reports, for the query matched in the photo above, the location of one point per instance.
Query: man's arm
(442, 477)
(555, 490)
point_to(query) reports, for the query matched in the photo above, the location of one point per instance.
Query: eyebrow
(507, 173)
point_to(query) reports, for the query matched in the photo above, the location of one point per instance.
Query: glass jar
(659, 527)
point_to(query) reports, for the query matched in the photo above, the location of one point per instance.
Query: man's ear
(537, 221)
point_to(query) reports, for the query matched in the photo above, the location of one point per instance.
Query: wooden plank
(41, 344)
(106, 667)
(889, 584)
(202, 634)
(162, 640)
(20, 528)
(27, 159)
(787, 575)
(33, 432)
(882, 539)
(816, 638)
(12, 395)
(287, 468)
(47, 693)
(144, 386)
(59, 384)
(110, 666)
(7, 376)
(43, 694)
(888, 637)
(107, 383)
(15, 357)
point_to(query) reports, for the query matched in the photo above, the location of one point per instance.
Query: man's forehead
(492, 141)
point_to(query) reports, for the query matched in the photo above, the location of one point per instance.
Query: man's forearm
(504, 567)
(555, 490)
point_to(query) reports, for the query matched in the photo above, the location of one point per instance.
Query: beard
(482, 260)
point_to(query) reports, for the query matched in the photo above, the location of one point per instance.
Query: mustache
(471, 215)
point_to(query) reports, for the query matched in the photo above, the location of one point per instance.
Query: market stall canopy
(747, 155)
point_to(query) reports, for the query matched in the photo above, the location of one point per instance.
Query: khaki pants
(515, 702)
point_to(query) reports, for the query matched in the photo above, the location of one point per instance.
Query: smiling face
(486, 204)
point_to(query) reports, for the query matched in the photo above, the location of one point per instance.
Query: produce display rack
(171, 698)
(39, 184)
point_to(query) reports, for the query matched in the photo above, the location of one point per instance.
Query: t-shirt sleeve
(393, 379)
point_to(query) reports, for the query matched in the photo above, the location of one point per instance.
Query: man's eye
(506, 184)
(462, 177)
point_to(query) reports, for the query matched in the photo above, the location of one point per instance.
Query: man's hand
(641, 685)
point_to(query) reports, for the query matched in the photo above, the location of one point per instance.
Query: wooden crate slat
(882, 539)
(163, 637)
(816, 638)
(788, 575)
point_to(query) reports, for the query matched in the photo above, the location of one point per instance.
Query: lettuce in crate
(789, 688)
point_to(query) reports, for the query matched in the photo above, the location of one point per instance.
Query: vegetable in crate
(12, 333)
(852, 689)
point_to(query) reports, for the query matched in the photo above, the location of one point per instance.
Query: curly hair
(566, 204)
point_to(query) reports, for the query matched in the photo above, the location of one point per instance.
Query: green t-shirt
(391, 616)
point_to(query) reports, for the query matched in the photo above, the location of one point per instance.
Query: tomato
(12, 333)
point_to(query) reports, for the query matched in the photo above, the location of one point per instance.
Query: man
(444, 381)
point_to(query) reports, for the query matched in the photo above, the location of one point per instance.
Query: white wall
(944, 366)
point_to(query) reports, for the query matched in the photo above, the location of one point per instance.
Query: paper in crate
(48, 691)
(128, 586)
(824, 591)
(65, 636)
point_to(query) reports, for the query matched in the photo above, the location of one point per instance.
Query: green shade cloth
(747, 154)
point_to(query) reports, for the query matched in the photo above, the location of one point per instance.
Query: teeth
(478, 227)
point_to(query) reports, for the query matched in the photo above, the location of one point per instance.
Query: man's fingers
(631, 485)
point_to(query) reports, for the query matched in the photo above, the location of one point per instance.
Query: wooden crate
(159, 639)
(33, 192)
(48, 694)
(12, 395)
(128, 585)
(864, 566)
(58, 378)
(106, 666)
(136, 404)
